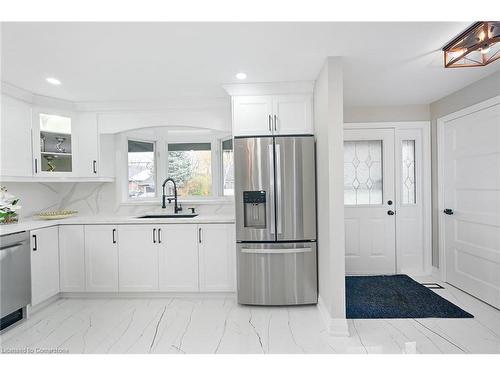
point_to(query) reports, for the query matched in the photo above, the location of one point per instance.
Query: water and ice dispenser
(254, 209)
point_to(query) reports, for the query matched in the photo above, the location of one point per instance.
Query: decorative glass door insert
(408, 171)
(363, 179)
(55, 143)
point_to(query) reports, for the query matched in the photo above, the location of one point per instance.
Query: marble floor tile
(220, 325)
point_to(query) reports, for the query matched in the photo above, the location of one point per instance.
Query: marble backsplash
(91, 198)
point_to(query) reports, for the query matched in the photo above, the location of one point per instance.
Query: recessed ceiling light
(53, 81)
(241, 76)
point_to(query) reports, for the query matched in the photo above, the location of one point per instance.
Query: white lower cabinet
(72, 258)
(178, 258)
(217, 266)
(101, 258)
(138, 257)
(44, 264)
(133, 258)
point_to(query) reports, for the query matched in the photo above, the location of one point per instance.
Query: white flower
(6, 200)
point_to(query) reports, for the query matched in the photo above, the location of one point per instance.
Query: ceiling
(385, 64)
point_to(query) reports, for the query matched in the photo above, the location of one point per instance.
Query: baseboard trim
(334, 326)
(436, 274)
(30, 310)
(139, 295)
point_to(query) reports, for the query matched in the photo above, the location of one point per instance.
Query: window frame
(221, 165)
(161, 168)
(156, 177)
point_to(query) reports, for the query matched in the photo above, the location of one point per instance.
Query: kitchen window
(227, 167)
(190, 165)
(141, 169)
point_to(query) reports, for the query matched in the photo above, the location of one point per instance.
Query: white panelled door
(471, 169)
(369, 201)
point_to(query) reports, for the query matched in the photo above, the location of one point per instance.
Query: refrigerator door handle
(247, 250)
(278, 190)
(271, 183)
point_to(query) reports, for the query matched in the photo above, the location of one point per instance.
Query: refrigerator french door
(275, 199)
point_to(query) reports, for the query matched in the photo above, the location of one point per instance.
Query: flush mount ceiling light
(53, 81)
(241, 75)
(476, 46)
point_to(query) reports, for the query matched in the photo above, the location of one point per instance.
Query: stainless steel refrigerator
(275, 199)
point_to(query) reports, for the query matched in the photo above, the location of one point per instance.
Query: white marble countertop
(34, 223)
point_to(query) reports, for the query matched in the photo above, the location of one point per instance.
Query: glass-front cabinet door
(52, 144)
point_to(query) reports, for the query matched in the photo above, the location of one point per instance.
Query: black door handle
(448, 211)
(35, 245)
(390, 212)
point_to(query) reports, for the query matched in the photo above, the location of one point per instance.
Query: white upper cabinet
(86, 145)
(49, 143)
(44, 264)
(138, 258)
(292, 114)
(272, 115)
(252, 115)
(15, 138)
(53, 143)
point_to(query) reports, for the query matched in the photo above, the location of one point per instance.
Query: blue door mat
(395, 297)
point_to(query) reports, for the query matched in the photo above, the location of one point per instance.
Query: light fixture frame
(485, 60)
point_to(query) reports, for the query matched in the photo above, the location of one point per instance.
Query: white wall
(417, 112)
(477, 92)
(328, 117)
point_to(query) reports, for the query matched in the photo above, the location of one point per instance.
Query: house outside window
(141, 169)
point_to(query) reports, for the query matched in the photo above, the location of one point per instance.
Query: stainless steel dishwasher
(15, 277)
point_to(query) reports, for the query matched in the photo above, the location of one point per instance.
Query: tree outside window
(190, 165)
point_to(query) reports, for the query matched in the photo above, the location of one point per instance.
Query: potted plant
(8, 207)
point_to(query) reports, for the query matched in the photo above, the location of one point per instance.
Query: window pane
(190, 165)
(362, 172)
(408, 175)
(227, 167)
(141, 169)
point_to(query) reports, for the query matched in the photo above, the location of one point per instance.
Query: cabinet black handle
(275, 123)
(154, 235)
(36, 165)
(199, 235)
(159, 235)
(114, 238)
(35, 245)
(270, 123)
(94, 166)
(448, 211)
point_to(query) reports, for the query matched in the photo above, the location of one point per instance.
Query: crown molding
(35, 99)
(274, 88)
(221, 104)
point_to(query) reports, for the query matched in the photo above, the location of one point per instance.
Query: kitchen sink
(166, 216)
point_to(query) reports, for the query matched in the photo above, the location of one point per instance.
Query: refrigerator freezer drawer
(277, 274)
